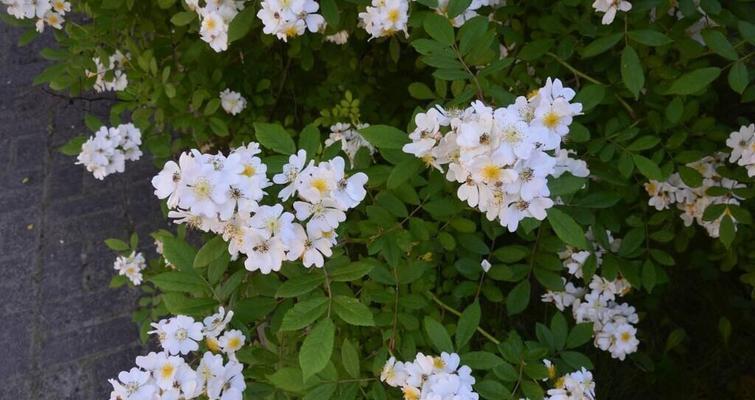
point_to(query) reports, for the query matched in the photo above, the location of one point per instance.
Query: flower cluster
(289, 18)
(168, 375)
(112, 77)
(131, 267)
(215, 17)
(502, 157)
(232, 102)
(428, 377)
(613, 328)
(221, 194)
(350, 138)
(693, 201)
(385, 17)
(609, 8)
(742, 144)
(577, 385)
(47, 12)
(106, 152)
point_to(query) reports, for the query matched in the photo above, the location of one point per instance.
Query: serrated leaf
(566, 228)
(631, 71)
(695, 81)
(304, 313)
(210, 251)
(518, 298)
(352, 311)
(385, 137)
(468, 323)
(300, 285)
(439, 28)
(317, 348)
(438, 335)
(274, 137)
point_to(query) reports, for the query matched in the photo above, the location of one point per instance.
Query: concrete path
(63, 331)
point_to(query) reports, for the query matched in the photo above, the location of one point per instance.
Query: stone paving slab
(64, 332)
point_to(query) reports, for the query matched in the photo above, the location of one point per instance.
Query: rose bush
(550, 198)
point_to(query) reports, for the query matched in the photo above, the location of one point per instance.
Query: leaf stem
(574, 70)
(456, 312)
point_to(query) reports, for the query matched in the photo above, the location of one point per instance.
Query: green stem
(574, 70)
(456, 312)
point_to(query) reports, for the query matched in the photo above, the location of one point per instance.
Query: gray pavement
(63, 332)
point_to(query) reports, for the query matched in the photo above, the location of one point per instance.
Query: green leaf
(179, 253)
(648, 275)
(217, 268)
(647, 167)
(518, 298)
(329, 11)
(718, 42)
(631, 71)
(300, 285)
(690, 176)
(322, 391)
(468, 323)
(178, 281)
(352, 311)
(241, 24)
(674, 110)
(747, 30)
(738, 77)
(590, 96)
(117, 244)
(317, 348)
(211, 250)
(579, 335)
(649, 37)
(481, 360)
(92, 123)
(726, 231)
(304, 313)
(535, 49)
(385, 137)
(309, 139)
(644, 143)
(421, 91)
(350, 358)
(601, 45)
(183, 18)
(351, 272)
(438, 335)
(576, 360)
(566, 228)
(177, 303)
(694, 81)
(456, 7)
(274, 137)
(73, 146)
(439, 28)
(559, 329)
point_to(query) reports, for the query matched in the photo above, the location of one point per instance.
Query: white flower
(385, 17)
(232, 102)
(232, 341)
(290, 174)
(610, 7)
(289, 18)
(214, 30)
(393, 373)
(133, 385)
(431, 378)
(324, 215)
(182, 334)
(228, 384)
(216, 323)
(131, 267)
